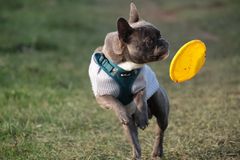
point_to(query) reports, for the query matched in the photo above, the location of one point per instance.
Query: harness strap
(123, 78)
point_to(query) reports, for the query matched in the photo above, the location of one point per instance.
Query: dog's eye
(149, 43)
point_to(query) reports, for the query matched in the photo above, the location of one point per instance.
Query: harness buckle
(125, 74)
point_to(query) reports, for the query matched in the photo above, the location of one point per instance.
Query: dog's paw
(141, 120)
(157, 154)
(123, 117)
(156, 158)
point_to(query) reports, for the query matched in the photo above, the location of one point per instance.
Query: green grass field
(47, 109)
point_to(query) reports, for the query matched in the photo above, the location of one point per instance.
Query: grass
(47, 110)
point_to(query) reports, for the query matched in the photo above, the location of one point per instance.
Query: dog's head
(135, 41)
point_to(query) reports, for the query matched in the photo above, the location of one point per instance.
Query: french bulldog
(122, 81)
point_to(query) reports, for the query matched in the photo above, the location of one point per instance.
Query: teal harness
(123, 78)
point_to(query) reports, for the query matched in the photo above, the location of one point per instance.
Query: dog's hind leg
(158, 143)
(159, 107)
(132, 134)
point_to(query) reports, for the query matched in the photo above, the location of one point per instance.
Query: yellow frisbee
(187, 62)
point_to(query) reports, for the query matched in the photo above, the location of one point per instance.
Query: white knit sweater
(103, 84)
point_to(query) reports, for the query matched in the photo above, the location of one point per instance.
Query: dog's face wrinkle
(145, 45)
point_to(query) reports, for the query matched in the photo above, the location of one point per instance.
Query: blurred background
(47, 109)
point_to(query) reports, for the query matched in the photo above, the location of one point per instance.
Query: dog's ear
(133, 16)
(124, 30)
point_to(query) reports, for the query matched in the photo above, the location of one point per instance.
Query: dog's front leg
(141, 114)
(132, 135)
(130, 129)
(109, 102)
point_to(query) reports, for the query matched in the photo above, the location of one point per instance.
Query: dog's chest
(103, 84)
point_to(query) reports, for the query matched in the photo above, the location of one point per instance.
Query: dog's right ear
(124, 30)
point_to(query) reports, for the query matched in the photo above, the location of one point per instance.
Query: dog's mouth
(160, 53)
(161, 50)
(159, 57)
(151, 58)
(164, 54)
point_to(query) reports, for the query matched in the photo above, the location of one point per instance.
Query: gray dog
(122, 80)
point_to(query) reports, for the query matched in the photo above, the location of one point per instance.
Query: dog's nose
(162, 43)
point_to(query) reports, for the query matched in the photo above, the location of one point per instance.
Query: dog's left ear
(124, 30)
(133, 15)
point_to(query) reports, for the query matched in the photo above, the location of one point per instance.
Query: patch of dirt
(171, 15)
(194, 6)
(234, 94)
(155, 12)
